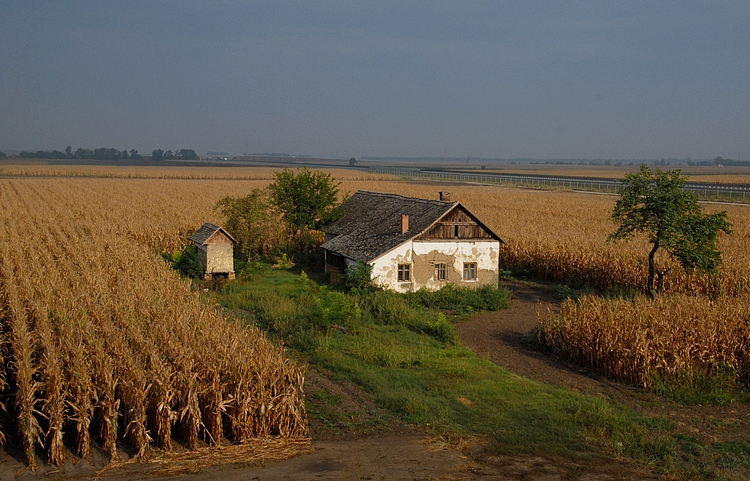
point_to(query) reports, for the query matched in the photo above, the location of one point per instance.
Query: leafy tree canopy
(655, 203)
(250, 222)
(307, 200)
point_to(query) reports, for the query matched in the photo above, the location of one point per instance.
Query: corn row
(105, 340)
(674, 337)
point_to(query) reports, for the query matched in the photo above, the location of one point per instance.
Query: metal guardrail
(730, 193)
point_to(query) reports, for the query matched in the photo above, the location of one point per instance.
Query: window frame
(404, 273)
(441, 271)
(470, 271)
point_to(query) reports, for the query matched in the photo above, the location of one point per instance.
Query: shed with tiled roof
(215, 251)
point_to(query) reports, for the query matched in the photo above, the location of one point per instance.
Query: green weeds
(404, 350)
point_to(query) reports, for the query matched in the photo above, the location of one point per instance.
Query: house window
(455, 231)
(404, 273)
(440, 272)
(470, 271)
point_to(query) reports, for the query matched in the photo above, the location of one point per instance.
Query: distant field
(722, 175)
(37, 169)
(17, 167)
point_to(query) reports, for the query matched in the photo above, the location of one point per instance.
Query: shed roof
(207, 230)
(371, 223)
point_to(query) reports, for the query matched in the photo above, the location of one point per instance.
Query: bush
(186, 262)
(392, 308)
(463, 299)
(359, 276)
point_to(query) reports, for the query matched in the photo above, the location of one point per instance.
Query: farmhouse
(215, 251)
(411, 243)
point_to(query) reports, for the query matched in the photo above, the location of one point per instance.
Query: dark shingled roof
(371, 224)
(202, 235)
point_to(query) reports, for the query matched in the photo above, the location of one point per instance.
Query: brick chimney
(404, 223)
(445, 196)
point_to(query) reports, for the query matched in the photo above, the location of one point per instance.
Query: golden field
(103, 340)
(698, 327)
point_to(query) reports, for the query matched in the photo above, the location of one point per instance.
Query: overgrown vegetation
(404, 350)
(186, 262)
(252, 224)
(306, 201)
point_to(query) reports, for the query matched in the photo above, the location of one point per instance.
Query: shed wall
(219, 259)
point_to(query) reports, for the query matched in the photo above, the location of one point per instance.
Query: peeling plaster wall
(385, 268)
(422, 256)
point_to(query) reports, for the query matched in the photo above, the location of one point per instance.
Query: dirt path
(503, 336)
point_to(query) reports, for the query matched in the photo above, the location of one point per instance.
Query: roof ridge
(385, 194)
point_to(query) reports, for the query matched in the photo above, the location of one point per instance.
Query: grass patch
(404, 350)
(453, 392)
(698, 387)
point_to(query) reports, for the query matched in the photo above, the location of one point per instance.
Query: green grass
(453, 392)
(718, 388)
(408, 357)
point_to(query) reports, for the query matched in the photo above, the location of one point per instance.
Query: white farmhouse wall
(422, 257)
(484, 253)
(385, 268)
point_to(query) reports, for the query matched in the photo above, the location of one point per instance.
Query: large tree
(251, 223)
(656, 203)
(307, 200)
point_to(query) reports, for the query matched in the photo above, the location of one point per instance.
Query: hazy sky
(553, 79)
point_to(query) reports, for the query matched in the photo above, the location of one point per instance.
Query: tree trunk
(660, 280)
(652, 271)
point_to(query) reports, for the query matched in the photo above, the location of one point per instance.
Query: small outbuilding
(215, 251)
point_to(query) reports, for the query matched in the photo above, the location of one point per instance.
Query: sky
(340, 79)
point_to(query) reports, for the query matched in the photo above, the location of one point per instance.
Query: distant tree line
(104, 153)
(721, 161)
(182, 154)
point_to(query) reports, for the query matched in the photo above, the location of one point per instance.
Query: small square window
(404, 273)
(470, 271)
(441, 272)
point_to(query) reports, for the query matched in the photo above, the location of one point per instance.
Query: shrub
(186, 262)
(463, 299)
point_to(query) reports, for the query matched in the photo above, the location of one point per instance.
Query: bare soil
(353, 439)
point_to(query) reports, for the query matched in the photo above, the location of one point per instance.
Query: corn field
(673, 337)
(562, 236)
(700, 327)
(102, 342)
